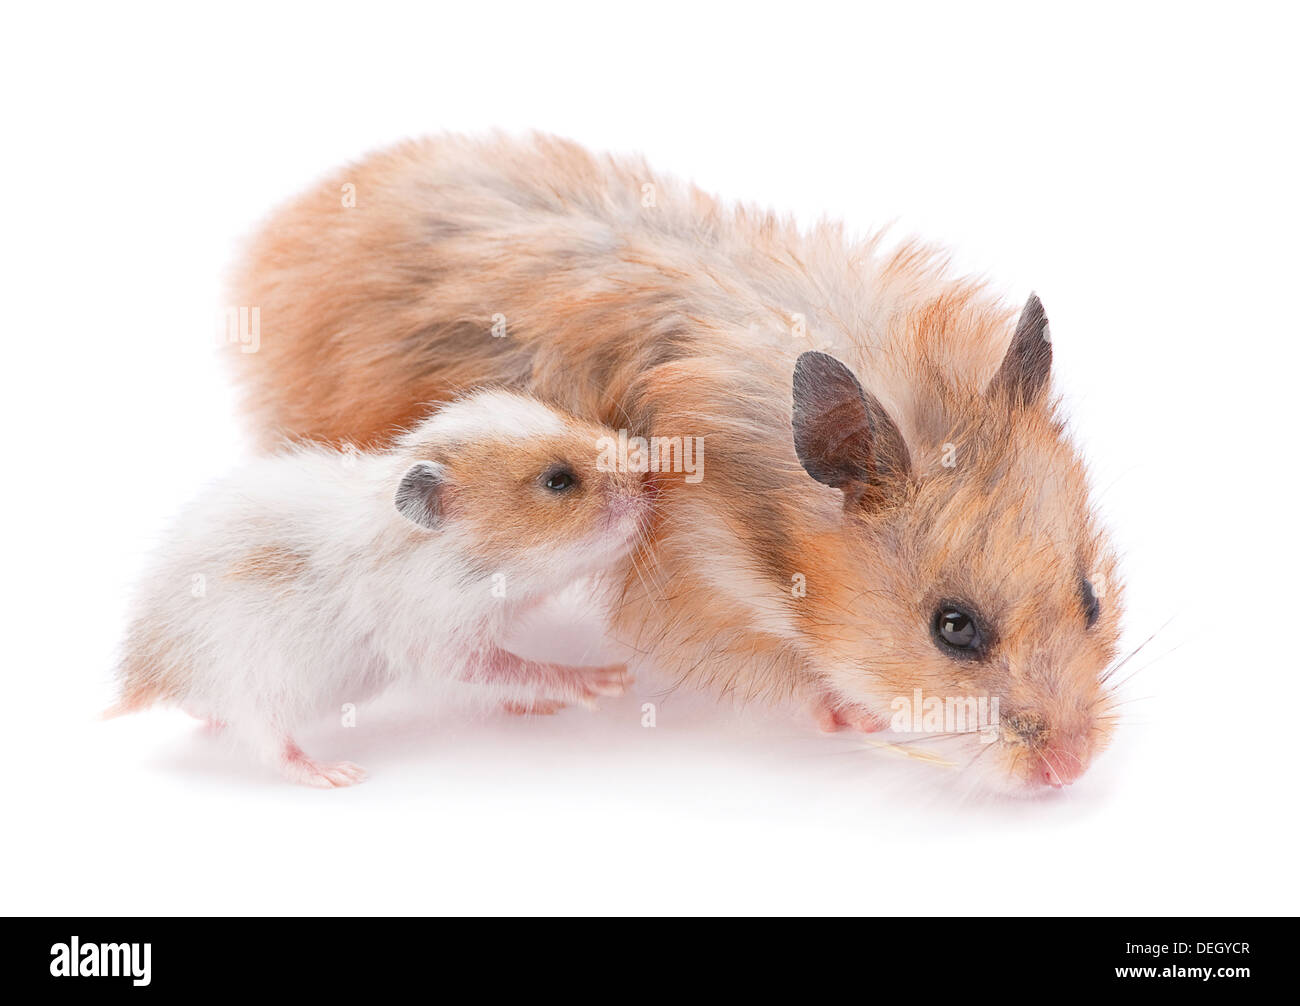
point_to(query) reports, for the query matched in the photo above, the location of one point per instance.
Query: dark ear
(417, 494)
(1025, 368)
(842, 434)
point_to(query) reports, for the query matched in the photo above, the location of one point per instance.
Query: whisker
(1133, 653)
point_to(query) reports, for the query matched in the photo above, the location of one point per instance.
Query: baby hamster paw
(592, 683)
(832, 716)
(550, 683)
(325, 774)
(322, 774)
(579, 685)
(537, 707)
(611, 680)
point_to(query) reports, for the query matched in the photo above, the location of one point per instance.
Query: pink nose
(1061, 770)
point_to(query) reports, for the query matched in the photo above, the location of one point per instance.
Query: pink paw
(545, 683)
(611, 680)
(538, 707)
(592, 683)
(322, 774)
(578, 685)
(832, 716)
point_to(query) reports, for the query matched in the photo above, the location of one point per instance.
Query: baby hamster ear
(418, 494)
(842, 434)
(1025, 368)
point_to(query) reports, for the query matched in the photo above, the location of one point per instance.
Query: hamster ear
(1025, 368)
(842, 434)
(418, 494)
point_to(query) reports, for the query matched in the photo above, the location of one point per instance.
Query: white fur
(368, 599)
(492, 412)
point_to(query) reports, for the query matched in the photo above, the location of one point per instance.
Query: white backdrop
(1136, 165)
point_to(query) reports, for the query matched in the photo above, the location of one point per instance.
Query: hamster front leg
(830, 716)
(548, 683)
(533, 707)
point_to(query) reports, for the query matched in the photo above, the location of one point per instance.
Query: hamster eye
(957, 631)
(1091, 606)
(557, 480)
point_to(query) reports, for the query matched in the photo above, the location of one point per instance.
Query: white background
(1134, 164)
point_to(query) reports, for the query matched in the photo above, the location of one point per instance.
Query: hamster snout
(627, 500)
(1051, 756)
(627, 503)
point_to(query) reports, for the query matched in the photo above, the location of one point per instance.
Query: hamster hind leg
(277, 747)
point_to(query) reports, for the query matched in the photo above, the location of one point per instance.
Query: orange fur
(684, 318)
(497, 494)
(152, 670)
(267, 562)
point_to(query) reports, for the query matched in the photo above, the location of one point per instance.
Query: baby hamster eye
(957, 631)
(1091, 606)
(557, 480)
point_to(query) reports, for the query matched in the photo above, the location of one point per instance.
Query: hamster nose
(624, 501)
(1059, 768)
(1029, 728)
(631, 491)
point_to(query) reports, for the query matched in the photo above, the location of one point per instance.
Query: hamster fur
(640, 302)
(318, 576)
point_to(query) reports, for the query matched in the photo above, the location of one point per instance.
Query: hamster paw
(831, 716)
(610, 681)
(578, 685)
(537, 707)
(551, 683)
(591, 683)
(322, 774)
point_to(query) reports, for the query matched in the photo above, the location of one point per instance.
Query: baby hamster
(319, 576)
